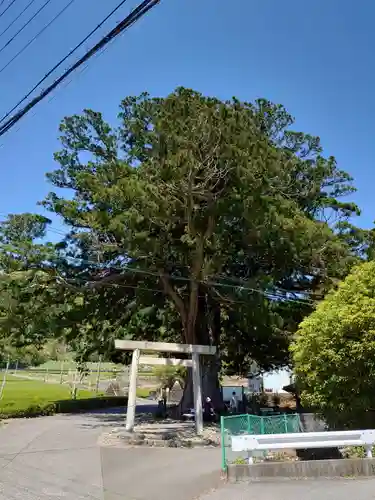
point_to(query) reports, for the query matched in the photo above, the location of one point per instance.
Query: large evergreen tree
(195, 220)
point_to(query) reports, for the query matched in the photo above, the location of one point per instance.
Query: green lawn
(143, 392)
(21, 394)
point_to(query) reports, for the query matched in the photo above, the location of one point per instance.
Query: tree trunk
(210, 385)
(207, 332)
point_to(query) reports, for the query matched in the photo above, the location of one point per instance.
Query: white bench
(304, 440)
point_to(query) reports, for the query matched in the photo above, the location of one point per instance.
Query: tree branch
(168, 288)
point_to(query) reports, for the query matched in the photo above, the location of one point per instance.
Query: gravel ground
(153, 429)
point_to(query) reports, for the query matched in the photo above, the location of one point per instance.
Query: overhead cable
(66, 83)
(133, 17)
(24, 26)
(17, 17)
(30, 42)
(7, 8)
(92, 32)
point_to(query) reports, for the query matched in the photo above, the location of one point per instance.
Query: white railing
(304, 440)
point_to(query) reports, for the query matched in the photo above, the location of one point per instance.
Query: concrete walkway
(58, 457)
(322, 489)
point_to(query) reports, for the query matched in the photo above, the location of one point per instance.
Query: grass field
(98, 375)
(36, 390)
(21, 394)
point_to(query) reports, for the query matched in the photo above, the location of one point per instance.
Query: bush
(334, 353)
(144, 392)
(263, 399)
(65, 406)
(79, 405)
(37, 410)
(167, 375)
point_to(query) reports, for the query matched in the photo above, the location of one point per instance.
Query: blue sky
(314, 57)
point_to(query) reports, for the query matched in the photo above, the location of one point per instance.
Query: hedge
(67, 406)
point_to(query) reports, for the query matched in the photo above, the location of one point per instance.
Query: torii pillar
(194, 363)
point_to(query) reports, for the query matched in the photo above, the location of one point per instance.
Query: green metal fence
(236, 425)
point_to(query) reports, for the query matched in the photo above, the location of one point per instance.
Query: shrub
(65, 406)
(334, 353)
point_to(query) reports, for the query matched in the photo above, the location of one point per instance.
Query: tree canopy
(194, 220)
(334, 352)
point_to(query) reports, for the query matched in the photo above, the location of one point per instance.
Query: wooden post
(286, 423)
(74, 386)
(197, 388)
(98, 375)
(130, 413)
(4, 378)
(61, 372)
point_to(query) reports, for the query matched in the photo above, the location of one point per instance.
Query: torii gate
(194, 363)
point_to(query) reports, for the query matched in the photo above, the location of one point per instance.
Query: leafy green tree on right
(334, 353)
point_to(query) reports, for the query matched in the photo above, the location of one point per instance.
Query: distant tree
(334, 352)
(167, 376)
(20, 356)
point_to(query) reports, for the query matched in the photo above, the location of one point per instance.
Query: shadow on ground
(159, 473)
(114, 416)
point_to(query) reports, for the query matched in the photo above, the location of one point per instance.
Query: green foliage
(25, 356)
(168, 375)
(30, 398)
(239, 461)
(334, 352)
(195, 220)
(143, 392)
(354, 452)
(27, 294)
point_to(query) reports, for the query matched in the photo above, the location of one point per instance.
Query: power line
(28, 44)
(7, 8)
(92, 32)
(65, 85)
(24, 26)
(17, 17)
(239, 287)
(269, 294)
(240, 284)
(132, 18)
(5, 218)
(160, 290)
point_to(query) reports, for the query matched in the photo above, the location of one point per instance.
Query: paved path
(58, 457)
(362, 489)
